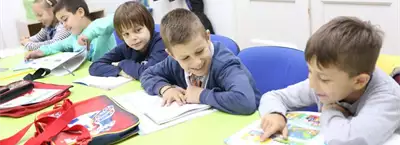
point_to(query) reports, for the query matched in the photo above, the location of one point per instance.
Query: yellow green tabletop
(211, 129)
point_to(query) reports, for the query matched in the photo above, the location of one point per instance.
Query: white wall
(9, 14)
(223, 16)
(250, 22)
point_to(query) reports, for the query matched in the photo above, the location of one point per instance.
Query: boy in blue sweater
(199, 71)
(142, 46)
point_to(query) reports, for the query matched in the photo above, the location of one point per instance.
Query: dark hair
(46, 3)
(72, 6)
(348, 43)
(132, 13)
(180, 26)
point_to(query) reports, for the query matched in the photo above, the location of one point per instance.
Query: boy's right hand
(82, 40)
(34, 54)
(273, 123)
(173, 94)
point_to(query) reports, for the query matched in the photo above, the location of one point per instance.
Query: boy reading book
(198, 70)
(359, 103)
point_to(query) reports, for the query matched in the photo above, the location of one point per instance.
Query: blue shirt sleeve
(135, 69)
(157, 76)
(235, 95)
(103, 67)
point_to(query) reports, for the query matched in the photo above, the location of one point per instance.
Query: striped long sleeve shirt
(47, 36)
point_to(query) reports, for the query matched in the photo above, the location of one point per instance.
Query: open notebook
(303, 129)
(153, 116)
(106, 83)
(60, 64)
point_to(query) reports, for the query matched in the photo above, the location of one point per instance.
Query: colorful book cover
(303, 128)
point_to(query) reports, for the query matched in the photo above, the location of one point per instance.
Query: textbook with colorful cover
(303, 128)
(106, 83)
(154, 116)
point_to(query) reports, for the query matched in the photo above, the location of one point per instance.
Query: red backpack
(98, 120)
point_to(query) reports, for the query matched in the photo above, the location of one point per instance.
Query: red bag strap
(56, 126)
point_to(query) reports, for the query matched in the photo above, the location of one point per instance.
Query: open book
(60, 64)
(303, 128)
(153, 116)
(106, 83)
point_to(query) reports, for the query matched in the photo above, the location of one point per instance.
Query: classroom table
(210, 129)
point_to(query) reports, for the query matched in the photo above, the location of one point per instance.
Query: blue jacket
(230, 87)
(130, 61)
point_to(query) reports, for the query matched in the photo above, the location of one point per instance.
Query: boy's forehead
(190, 46)
(326, 70)
(129, 26)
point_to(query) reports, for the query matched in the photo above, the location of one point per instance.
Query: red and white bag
(98, 120)
(25, 97)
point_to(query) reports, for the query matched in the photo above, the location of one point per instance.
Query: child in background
(199, 71)
(53, 30)
(74, 14)
(359, 104)
(142, 47)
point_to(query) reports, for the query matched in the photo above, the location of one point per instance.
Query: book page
(106, 83)
(70, 65)
(303, 128)
(151, 106)
(35, 96)
(140, 102)
(52, 61)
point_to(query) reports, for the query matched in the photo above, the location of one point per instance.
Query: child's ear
(80, 12)
(208, 34)
(361, 81)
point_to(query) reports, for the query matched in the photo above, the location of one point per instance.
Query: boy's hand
(173, 94)
(193, 94)
(34, 54)
(335, 106)
(125, 75)
(273, 123)
(82, 40)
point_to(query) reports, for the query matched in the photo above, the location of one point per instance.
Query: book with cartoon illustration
(303, 128)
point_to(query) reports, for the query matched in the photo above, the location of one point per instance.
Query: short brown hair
(72, 6)
(179, 26)
(132, 13)
(348, 43)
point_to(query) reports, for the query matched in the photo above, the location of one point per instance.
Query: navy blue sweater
(230, 87)
(132, 62)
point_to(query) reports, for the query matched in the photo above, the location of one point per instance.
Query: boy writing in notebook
(142, 47)
(74, 14)
(359, 104)
(198, 70)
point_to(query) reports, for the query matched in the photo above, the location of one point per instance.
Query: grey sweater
(376, 115)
